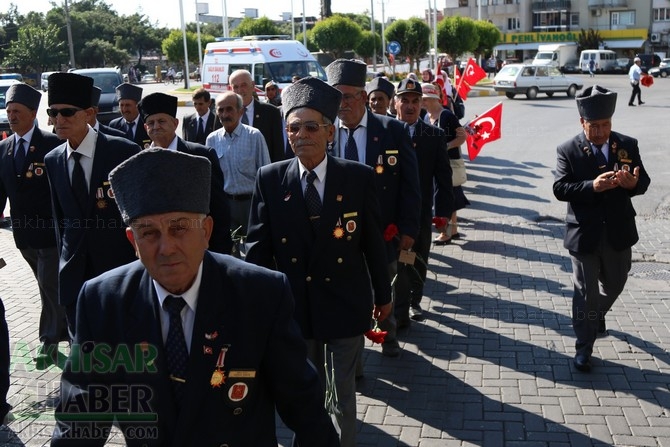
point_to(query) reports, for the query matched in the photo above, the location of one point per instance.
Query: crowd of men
(129, 231)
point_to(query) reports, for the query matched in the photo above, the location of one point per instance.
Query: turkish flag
(483, 129)
(472, 74)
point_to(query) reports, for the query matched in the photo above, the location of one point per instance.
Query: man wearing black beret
(380, 94)
(211, 351)
(24, 181)
(317, 219)
(89, 229)
(597, 173)
(382, 143)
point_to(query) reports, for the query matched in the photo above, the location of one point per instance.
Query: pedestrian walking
(635, 75)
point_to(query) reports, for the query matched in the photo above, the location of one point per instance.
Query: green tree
(413, 35)
(457, 35)
(173, 46)
(98, 53)
(489, 36)
(336, 34)
(311, 46)
(36, 49)
(369, 45)
(589, 40)
(254, 27)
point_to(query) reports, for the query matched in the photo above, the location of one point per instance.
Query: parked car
(648, 61)
(107, 79)
(148, 77)
(529, 80)
(4, 121)
(571, 66)
(664, 62)
(660, 71)
(17, 76)
(44, 80)
(622, 65)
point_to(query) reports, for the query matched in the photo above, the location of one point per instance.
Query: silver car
(529, 80)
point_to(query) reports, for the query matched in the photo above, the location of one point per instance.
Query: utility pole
(372, 30)
(69, 35)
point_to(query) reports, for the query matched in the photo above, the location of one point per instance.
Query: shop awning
(516, 46)
(631, 43)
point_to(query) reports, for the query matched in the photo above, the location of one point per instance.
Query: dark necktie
(350, 148)
(79, 186)
(600, 157)
(129, 130)
(312, 199)
(19, 157)
(245, 120)
(175, 346)
(200, 135)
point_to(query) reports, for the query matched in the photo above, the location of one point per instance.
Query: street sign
(393, 47)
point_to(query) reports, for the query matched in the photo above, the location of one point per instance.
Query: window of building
(623, 18)
(551, 20)
(462, 2)
(513, 23)
(574, 19)
(661, 14)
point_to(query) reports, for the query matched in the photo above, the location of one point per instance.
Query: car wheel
(531, 93)
(572, 91)
(550, 94)
(664, 74)
(510, 95)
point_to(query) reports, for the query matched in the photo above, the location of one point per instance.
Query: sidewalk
(492, 363)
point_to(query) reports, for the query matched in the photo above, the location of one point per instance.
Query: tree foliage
(413, 35)
(37, 49)
(173, 46)
(369, 45)
(589, 40)
(457, 35)
(489, 36)
(336, 34)
(254, 27)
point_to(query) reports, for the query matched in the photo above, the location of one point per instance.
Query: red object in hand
(390, 232)
(439, 222)
(647, 80)
(375, 334)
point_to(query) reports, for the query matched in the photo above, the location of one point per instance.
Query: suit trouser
(239, 215)
(344, 352)
(409, 285)
(598, 278)
(4, 364)
(44, 264)
(636, 92)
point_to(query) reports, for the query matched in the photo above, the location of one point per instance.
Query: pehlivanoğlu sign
(570, 36)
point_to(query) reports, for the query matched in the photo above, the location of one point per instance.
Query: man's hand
(380, 313)
(627, 180)
(605, 181)
(406, 242)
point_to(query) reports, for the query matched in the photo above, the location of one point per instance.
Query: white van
(265, 57)
(605, 61)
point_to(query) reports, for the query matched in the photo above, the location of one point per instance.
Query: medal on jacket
(379, 169)
(219, 375)
(338, 232)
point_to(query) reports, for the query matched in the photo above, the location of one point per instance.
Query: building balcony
(551, 5)
(608, 4)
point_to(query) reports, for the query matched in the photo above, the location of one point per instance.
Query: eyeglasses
(67, 112)
(310, 126)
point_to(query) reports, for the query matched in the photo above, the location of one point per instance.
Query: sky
(166, 12)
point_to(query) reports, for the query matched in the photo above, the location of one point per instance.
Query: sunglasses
(310, 126)
(67, 112)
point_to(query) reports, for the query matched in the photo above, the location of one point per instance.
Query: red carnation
(390, 232)
(647, 80)
(375, 334)
(439, 222)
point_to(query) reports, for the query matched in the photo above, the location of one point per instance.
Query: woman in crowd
(445, 119)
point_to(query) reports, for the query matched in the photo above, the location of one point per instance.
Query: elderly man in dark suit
(382, 143)
(159, 113)
(209, 342)
(597, 173)
(264, 117)
(93, 118)
(430, 144)
(197, 126)
(89, 229)
(317, 219)
(24, 181)
(131, 121)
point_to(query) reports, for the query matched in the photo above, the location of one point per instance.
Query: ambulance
(267, 57)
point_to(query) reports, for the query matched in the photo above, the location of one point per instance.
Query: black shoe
(402, 323)
(640, 103)
(442, 241)
(602, 329)
(415, 312)
(391, 348)
(582, 363)
(631, 104)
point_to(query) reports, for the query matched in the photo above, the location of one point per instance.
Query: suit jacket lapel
(294, 200)
(332, 204)
(373, 144)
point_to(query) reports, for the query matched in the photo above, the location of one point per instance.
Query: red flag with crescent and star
(483, 129)
(472, 74)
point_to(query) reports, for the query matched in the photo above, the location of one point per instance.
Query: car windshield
(509, 70)
(3, 94)
(545, 56)
(107, 82)
(284, 71)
